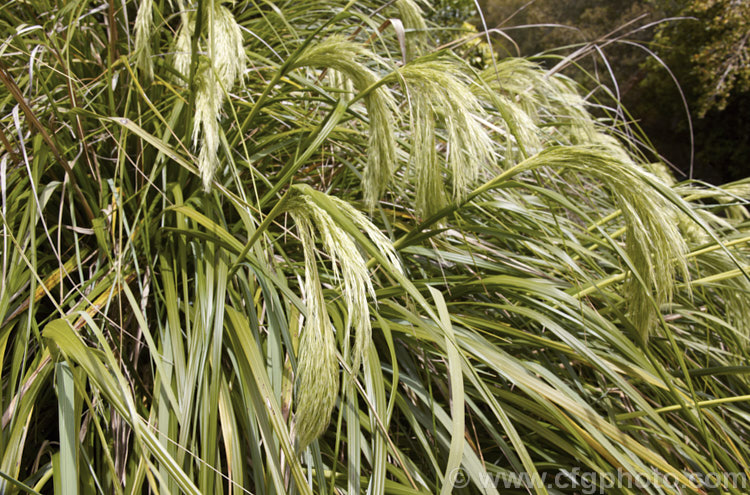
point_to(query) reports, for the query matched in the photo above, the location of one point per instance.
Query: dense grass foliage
(293, 247)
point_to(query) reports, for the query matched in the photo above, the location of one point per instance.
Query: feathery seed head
(544, 98)
(661, 171)
(439, 90)
(144, 20)
(653, 242)
(424, 164)
(182, 47)
(226, 48)
(208, 100)
(376, 236)
(348, 58)
(518, 132)
(216, 74)
(318, 381)
(318, 373)
(416, 28)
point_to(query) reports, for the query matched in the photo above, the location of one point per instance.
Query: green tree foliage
(716, 40)
(293, 247)
(679, 66)
(706, 52)
(545, 24)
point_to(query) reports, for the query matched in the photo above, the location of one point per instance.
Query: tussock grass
(291, 247)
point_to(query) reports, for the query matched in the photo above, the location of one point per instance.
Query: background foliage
(648, 53)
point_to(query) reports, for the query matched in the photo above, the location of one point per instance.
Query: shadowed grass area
(292, 247)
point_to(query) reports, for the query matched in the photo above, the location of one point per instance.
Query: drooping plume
(348, 58)
(440, 94)
(222, 61)
(654, 246)
(144, 21)
(415, 26)
(318, 382)
(531, 96)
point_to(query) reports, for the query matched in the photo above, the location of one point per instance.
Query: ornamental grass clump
(295, 247)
